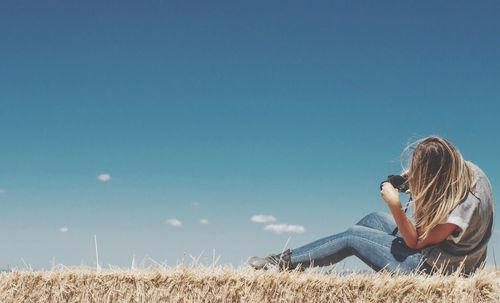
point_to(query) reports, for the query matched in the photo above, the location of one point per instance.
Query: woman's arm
(410, 234)
(406, 228)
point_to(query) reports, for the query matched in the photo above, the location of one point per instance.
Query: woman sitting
(453, 211)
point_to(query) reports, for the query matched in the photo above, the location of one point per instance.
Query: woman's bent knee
(372, 219)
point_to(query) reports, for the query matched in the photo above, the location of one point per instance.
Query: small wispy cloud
(262, 218)
(497, 231)
(203, 221)
(64, 229)
(284, 228)
(173, 222)
(195, 204)
(2, 190)
(104, 177)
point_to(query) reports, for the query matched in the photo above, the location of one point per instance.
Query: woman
(453, 212)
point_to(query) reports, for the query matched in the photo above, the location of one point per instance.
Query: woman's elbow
(412, 244)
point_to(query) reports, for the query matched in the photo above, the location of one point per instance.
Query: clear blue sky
(221, 110)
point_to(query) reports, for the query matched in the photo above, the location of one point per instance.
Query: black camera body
(399, 182)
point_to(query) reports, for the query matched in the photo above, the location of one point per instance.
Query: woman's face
(417, 169)
(428, 159)
(405, 174)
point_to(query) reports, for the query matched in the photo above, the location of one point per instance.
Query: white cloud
(497, 231)
(2, 191)
(204, 221)
(282, 228)
(262, 218)
(104, 177)
(174, 222)
(195, 204)
(63, 229)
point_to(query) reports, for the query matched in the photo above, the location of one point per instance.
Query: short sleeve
(461, 215)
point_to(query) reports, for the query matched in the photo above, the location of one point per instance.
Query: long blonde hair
(439, 178)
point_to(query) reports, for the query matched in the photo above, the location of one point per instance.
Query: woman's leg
(377, 248)
(379, 220)
(376, 220)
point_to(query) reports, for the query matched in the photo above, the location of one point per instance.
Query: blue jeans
(370, 240)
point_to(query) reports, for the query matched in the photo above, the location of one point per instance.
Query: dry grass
(198, 283)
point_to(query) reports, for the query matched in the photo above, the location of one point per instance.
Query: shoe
(281, 261)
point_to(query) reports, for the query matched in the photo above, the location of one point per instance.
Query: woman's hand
(390, 195)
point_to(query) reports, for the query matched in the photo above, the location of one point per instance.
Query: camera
(399, 182)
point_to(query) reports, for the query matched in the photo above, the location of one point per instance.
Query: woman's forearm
(405, 226)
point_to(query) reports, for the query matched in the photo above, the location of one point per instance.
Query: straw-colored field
(228, 284)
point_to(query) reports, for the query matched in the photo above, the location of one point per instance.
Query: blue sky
(223, 110)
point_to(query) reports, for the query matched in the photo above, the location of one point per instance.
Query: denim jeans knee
(378, 220)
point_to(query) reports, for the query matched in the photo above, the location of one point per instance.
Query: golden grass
(198, 283)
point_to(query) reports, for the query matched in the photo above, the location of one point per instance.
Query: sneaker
(281, 261)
